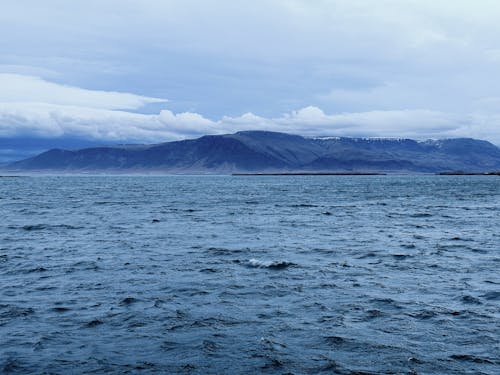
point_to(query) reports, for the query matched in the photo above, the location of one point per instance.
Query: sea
(396, 274)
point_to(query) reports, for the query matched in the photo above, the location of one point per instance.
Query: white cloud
(416, 124)
(22, 88)
(52, 120)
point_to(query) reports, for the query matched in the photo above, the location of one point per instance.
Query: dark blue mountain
(260, 151)
(21, 147)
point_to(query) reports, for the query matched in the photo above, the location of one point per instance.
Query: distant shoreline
(20, 174)
(460, 173)
(312, 174)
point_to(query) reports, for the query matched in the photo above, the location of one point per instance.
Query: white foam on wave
(260, 263)
(269, 263)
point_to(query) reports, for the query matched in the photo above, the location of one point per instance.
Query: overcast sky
(157, 70)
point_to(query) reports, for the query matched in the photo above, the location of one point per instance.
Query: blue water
(221, 274)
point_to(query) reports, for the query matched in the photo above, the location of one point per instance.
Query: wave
(271, 264)
(35, 227)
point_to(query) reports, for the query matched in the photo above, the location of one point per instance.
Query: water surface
(221, 274)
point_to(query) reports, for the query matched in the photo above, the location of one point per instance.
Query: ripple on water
(216, 274)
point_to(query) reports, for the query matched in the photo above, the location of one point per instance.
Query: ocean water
(230, 275)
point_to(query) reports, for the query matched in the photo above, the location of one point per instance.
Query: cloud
(21, 88)
(417, 68)
(266, 56)
(416, 124)
(53, 120)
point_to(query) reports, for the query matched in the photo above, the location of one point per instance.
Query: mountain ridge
(265, 151)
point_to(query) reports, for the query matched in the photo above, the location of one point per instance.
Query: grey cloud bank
(104, 70)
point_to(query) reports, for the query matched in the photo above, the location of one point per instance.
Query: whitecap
(272, 264)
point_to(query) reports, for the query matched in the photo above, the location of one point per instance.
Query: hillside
(259, 151)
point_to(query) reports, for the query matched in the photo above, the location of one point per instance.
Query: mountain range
(263, 151)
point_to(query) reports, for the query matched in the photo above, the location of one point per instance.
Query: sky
(134, 71)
